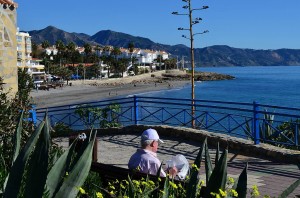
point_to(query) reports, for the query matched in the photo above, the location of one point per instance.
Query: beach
(96, 90)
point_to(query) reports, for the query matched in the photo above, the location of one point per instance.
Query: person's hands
(173, 171)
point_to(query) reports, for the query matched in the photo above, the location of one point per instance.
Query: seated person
(145, 159)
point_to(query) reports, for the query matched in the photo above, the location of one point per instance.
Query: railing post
(255, 132)
(296, 133)
(32, 114)
(69, 112)
(136, 110)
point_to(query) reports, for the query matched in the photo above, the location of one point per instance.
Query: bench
(111, 173)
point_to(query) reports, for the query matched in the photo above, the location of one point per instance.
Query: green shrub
(34, 174)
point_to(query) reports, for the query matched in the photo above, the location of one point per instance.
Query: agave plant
(32, 176)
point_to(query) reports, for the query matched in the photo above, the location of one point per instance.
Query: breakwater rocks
(160, 77)
(199, 76)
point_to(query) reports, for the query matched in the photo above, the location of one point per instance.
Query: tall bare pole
(191, 23)
(192, 64)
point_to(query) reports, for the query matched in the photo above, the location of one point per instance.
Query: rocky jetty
(199, 76)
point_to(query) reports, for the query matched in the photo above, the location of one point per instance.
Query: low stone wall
(234, 145)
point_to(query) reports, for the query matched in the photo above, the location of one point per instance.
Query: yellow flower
(159, 179)
(230, 180)
(137, 183)
(122, 186)
(151, 182)
(126, 182)
(255, 192)
(223, 193)
(234, 193)
(173, 185)
(111, 192)
(112, 187)
(180, 186)
(215, 194)
(99, 195)
(81, 190)
(202, 182)
(194, 166)
(67, 173)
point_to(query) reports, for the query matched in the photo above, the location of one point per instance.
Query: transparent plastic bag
(181, 163)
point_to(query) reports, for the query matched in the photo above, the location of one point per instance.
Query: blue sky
(256, 24)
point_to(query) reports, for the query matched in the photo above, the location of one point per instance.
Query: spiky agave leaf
(192, 185)
(38, 164)
(131, 189)
(218, 177)
(241, 183)
(208, 164)
(290, 189)
(166, 188)
(16, 143)
(217, 154)
(17, 137)
(147, 191)
(16, 172)
(78, 174)
(58, 171)
(159, 171)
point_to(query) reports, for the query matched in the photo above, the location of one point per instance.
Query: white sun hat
(150, 134)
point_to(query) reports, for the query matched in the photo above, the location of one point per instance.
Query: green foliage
(29, 174)
(279, 134)
(102, 117)
(10, 108)
(60, 130)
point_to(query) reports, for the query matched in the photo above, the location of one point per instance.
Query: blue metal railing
(267, 123)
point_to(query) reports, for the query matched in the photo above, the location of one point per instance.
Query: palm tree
(60, 46)
(131, 49)
(115, 53)
(160, 60)
(107, 59)
(87, 51)
(71, 53)
(123, 64)
(170, 63)
(45, 44)
(98, 52)
(34, 49)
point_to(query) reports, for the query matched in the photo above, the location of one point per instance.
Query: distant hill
(218, 55)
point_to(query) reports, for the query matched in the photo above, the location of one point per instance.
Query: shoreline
(96, 90)
(84, 91)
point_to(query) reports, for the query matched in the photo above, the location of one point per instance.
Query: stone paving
(270, 177)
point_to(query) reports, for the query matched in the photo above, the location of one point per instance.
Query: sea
(268, 85)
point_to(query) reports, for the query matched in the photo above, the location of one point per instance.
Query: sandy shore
(95, 90)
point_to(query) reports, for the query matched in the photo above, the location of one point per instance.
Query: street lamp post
(191, 23)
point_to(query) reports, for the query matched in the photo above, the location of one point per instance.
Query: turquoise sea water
(271, 85)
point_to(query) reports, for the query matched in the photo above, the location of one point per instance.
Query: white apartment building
(24, 59)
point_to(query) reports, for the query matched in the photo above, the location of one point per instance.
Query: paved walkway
(270, 177)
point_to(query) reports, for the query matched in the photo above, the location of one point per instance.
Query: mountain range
(217, 55)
